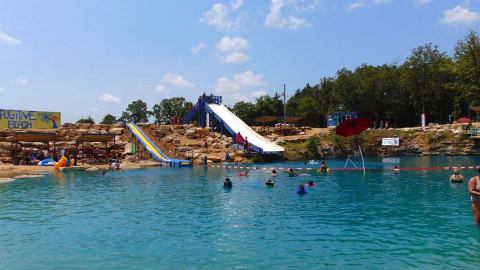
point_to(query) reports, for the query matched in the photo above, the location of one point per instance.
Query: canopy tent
(266, 119)
(17, 137)
(95, 138)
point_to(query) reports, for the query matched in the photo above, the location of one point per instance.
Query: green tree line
(428, 81)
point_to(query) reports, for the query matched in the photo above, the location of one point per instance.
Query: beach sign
(391, 142)
(19, 119)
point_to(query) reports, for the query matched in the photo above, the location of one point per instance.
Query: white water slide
(236, 125)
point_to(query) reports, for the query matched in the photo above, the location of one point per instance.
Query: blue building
(337, 117)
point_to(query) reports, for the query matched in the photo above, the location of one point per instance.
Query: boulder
(7, 145)
(190, 133)
(116, 130)
(6, 159)
(214, 158)
(217, 145)
(168, 139)
(202, 131)
(183, 149)
(176, 141)
(180, 131)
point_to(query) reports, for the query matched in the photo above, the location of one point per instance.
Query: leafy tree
(109, 119)
(467, 67)
(167, 108)
(245, 111)
(88, 120)
(136, 112)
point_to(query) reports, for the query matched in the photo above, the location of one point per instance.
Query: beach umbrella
(464, 120)
(353, 127)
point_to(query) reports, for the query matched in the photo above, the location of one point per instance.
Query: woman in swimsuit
(474, 190)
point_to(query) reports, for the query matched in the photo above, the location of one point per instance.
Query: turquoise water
(182, 218)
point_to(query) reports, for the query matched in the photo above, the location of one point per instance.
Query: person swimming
(396, 168)
(311, 183)
(456, 177)
(270, 183)
(245, 173)
(274, 172)
(291, 172)
(301, 190)
(227, 184)
(323, 167)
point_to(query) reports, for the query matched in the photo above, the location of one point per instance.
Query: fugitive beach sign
(19, 119)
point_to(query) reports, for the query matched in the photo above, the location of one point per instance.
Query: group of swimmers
(301, 189)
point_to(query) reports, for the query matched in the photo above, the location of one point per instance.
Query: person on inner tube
(456, 177)
(244, 173)
(227, 184)
(301, 190)
(270, 183)
(323, 167)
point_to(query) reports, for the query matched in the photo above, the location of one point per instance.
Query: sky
(89, 58)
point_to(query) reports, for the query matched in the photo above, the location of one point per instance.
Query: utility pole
(284, 104)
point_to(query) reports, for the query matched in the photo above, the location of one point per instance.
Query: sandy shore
(10, 172)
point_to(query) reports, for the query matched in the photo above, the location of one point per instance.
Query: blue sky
(94, 57)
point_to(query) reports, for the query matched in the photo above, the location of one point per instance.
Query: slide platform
(153, 149)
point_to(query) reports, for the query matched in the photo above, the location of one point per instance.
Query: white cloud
(218, 16)
(248, 78)
(177, 80)
(9, 40)
(161, 89)
(232, 89)
(108, 98)
(276, 19)
(197, 48)
(236, 4)
(229, 44)
(356, 5)
(460, 15)
(2, 91)
(233, 47)
(235, 58)
(19, 82)
(258, 93)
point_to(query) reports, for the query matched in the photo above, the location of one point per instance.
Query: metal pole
(363, 161)
(284, 104)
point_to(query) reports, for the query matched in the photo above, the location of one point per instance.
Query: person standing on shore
(474, 190)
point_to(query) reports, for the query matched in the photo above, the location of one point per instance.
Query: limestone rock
(214, 158)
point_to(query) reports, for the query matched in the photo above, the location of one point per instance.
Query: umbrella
(464, 120)
(353, 127)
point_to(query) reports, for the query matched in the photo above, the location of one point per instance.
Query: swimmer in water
(323, 167)
(269, 183)
(274, 172)
(311, 183)
(291, 172)
(244, 173)
(227, 184)
(456, 177)
(301, 190)
(396, 168)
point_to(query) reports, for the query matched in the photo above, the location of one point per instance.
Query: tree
(167, 108)
(136, 112)
(424, 76)
(467, 66)
(109, 119)
(88, 120)
(245, 111)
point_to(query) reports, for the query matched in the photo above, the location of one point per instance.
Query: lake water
(182, 218)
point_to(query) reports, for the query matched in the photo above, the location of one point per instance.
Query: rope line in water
(438, 168)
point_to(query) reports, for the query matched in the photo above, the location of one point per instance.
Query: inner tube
(270, 184)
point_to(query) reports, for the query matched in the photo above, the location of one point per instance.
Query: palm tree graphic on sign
(48, 117)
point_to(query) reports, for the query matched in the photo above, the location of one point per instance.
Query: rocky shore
(434, 140)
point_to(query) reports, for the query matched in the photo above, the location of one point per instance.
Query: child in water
(291, 172)
(274, 172)
(311, 183)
